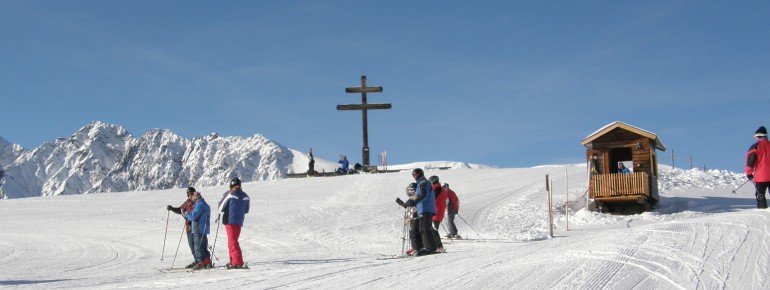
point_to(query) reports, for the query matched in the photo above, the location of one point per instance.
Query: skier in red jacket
(452, 210)
(758, 165)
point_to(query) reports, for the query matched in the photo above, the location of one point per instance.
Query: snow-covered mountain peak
(9, 152)
(103, 157)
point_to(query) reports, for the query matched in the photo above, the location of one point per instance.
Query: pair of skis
(245, 267)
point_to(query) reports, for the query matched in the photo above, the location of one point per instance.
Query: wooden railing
(619, 184)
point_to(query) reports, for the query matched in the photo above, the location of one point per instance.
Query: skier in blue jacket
(200, 217)
(425, 202)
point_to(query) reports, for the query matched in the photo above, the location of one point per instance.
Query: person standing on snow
(424, 200)
(187, 206)
(311, 163)
(234, 206)
(440, 196)
(415, 240)
(758, 165)
(452, 210)
(200, 217)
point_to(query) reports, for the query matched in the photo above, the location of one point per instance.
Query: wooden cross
(363, 107)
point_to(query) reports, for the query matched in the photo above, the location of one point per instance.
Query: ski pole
(447, 232)
(739, 186)
(184, 224)
(469, 225)
(215, 238)
(165, 234)
(403, 232)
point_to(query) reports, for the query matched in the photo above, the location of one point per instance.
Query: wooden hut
(612, 145)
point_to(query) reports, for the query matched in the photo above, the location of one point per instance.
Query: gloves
(168, 207)
(750, 176)
(400, 202)
(409, 203)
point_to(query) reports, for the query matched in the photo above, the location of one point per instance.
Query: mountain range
(103, 157)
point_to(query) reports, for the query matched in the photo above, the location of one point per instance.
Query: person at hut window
(596, 165)
(622, 168)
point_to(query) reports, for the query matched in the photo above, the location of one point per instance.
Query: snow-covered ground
(329, 233)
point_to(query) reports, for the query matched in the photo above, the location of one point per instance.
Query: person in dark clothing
(623, 169)
(311, 163)
(758, 165)
(596, 165)
(424, 200)
(440, 208)
(187, 206)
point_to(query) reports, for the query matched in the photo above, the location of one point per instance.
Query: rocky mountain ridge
(102, 157)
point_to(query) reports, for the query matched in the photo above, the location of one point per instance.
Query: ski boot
(206, 263)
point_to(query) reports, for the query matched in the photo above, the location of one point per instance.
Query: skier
(200, 217)
(440, 196)
(452, 210)
(234, 206)
(187, 206)
(758, 165)
(426, 208)
(311, 163)
(415, 239)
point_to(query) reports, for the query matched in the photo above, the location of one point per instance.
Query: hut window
(620, 154)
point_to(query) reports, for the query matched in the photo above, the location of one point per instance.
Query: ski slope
(331, 232)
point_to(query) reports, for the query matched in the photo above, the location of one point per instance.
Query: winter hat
(761, 132)
(234, 182)
(191, 190)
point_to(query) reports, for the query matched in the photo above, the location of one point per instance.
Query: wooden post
(549, 189)
(673, 163)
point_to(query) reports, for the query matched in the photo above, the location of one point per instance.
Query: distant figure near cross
(363, 107)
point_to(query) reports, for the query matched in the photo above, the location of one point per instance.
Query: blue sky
(507, 83)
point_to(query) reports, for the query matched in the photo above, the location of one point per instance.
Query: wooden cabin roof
(617, 124)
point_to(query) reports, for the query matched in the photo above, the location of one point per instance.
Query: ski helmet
(191, 190)
(411, 188)
(234, 182)
(418, 171)
(433, 179)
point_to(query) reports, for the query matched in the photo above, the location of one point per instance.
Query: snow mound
(671, 179)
